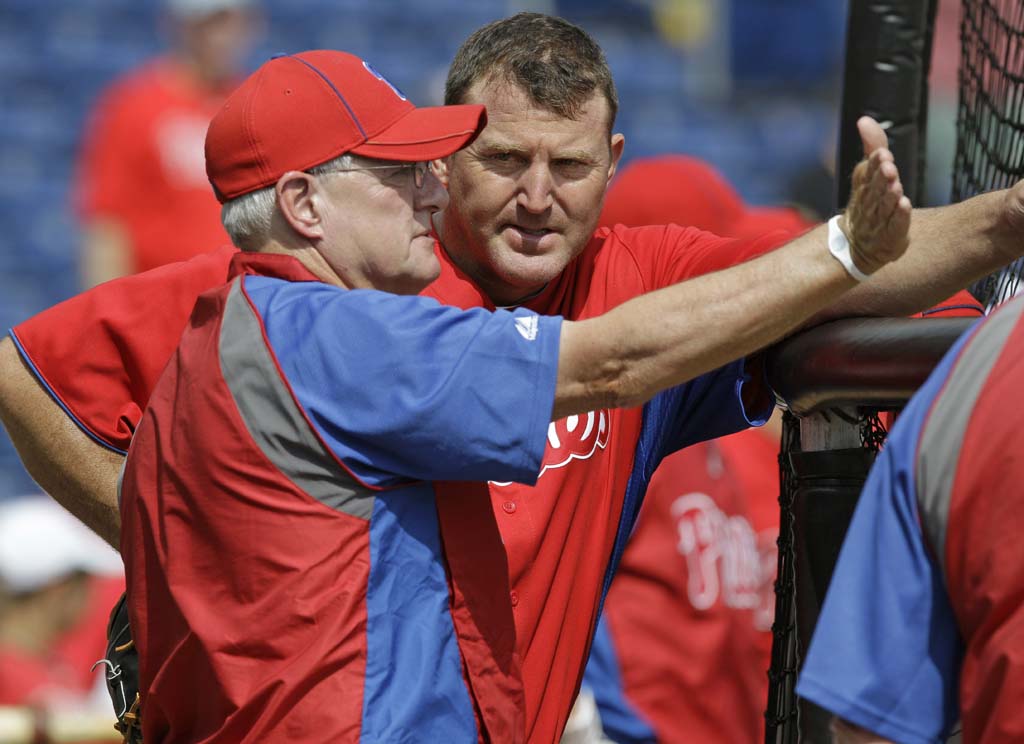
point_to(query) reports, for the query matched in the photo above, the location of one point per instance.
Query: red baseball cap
(686, 191)
(298, 111)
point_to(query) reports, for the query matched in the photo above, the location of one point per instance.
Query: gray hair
(247, 218)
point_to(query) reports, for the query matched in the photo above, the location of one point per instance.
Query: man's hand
(877, 219)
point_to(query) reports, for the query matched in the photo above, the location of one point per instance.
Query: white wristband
(839, 247)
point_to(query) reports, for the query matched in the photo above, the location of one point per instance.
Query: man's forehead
(516, 122)
(505, 99)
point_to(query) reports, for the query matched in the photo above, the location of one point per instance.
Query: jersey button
(514, 597)
(509, 507)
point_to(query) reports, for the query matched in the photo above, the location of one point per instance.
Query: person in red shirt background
(57, 583)
(141, 193)
(684, 643)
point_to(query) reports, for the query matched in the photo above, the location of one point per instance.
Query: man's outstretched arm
(76, 471)
(674, 334)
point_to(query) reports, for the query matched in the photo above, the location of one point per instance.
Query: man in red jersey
(141, 191)
(520, 230)
(684, 641)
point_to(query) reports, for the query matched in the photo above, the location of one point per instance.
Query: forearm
(950, 247)
(674, 334)
(106, 252)
(76, 471)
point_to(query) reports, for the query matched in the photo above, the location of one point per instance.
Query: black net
(781, 716)
(817, 494)
(990, 120)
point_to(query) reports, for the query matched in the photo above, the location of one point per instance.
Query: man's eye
(500, 157)
(569, 163)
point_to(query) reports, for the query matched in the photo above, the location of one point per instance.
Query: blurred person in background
(142, 192)
(57, 584)
(684, 642)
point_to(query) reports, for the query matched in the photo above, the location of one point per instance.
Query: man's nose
(535, 187)
(432, 194)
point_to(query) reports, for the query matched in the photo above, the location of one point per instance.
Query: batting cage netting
(990, 117)
(837, 381)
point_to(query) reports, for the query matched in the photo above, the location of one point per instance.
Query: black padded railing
(866, 362)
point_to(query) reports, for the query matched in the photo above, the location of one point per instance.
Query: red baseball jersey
(685, 642)
(142, 164)
(565, 535)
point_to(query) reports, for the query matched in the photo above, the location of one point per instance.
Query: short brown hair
(556, 63)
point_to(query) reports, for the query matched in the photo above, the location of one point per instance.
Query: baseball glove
(121, 673)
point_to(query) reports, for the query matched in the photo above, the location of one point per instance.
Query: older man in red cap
(285, 576)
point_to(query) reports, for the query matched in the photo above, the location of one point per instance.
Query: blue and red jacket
(99, 354)
(288, 575)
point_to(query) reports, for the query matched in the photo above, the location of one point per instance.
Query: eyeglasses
(419, 170)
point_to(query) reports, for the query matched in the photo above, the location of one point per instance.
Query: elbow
(598, 369)
(622, 386)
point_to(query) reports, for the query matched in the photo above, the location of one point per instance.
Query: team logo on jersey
(384, 80)
(721, 552)
(574, 438)
(527, 325)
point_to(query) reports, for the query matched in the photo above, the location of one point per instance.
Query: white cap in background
(41, 543)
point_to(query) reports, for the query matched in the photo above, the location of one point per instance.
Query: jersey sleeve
(405, 388)
(886, 650)
(100, 353)
(718, 403)
(721, 402)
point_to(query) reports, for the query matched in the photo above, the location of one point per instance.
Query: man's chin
(525, 273)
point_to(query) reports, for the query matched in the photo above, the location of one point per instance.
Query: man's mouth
(532, 233)
(529, 240)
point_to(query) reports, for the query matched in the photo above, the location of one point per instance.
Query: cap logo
(384, 80)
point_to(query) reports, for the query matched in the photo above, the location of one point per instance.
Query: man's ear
(440, 168)
(618, 144)
(299, 199)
